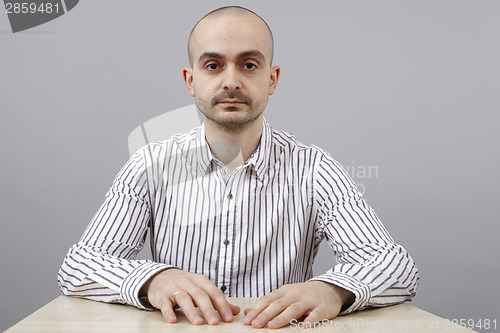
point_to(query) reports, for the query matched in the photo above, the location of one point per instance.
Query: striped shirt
(249, 232)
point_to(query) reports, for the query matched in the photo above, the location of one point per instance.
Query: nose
(231, 80)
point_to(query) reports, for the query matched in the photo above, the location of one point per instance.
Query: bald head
(224, 12)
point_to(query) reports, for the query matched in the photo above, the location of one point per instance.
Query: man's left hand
(317, 300)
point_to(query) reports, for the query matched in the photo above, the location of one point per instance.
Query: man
(236, 222)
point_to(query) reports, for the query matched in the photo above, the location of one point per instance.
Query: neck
(233, 146)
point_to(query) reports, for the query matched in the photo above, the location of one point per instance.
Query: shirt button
(223, 288)
(226, 242)
(229, 195)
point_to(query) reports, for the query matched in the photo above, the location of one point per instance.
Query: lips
(231, 102)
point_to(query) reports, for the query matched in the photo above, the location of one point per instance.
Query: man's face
(231, 78)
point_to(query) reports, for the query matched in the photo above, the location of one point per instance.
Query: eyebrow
(244, 54)
(252, 53)
(207, 55)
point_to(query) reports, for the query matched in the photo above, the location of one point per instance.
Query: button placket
(227, 229)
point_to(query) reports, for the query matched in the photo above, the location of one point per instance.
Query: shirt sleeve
(101, 265)
(370, 264)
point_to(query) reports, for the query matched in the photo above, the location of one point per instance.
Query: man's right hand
(187, 290)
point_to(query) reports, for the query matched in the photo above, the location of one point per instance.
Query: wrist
(346, 297)
(143, 292)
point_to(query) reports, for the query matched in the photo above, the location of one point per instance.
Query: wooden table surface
(67, 314)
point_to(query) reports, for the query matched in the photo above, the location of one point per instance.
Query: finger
(263, 303)
(235, 309)
(314, 317)
(201, 299)
(273, 310)
(219, 301)
(168, 313)
(294, 311)
(186, 304)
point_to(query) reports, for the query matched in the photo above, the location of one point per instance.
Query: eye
(212, 66)
(250, 65)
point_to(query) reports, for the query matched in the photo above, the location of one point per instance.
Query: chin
(234, 119)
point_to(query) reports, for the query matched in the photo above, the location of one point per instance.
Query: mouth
(231, 102)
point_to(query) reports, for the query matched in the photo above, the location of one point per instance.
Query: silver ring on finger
(175, 295)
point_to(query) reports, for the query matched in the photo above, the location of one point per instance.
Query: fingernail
(258, 322)
(213, 320)
(247, 321)
(273, 322)
(228, 316)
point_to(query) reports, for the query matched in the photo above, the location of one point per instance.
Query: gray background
(409, 87)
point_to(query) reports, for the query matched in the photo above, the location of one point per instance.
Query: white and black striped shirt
(249, 232)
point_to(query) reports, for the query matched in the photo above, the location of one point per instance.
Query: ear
(187, 73)
(275, 75)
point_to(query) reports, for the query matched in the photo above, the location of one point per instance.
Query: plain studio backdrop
(404, 94)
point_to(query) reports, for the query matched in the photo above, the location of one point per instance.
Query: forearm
(389, 277)
(102, 265)
(370, 264)
(95, 275)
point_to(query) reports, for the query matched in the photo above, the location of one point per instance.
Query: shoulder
(285, 141)
(321, 160)
(161, 150)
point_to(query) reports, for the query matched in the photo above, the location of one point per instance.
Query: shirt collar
(205, 156)
(259, 159)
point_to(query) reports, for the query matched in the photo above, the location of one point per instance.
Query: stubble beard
(232, 118)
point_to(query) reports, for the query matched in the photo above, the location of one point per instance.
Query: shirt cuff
(133, 283)
(359, 289)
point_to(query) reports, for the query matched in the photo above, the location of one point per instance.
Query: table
(68, 314)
